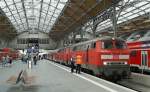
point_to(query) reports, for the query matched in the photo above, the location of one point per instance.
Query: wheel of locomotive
(115, 76)
(124, 74)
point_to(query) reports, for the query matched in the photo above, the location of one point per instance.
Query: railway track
(138, 82)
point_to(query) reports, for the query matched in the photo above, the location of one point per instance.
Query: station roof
(50, 15)
(7, 30)
(76, 13)
(32, 15)
(135, 15)
(60, 17)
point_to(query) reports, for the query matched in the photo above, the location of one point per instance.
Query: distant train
(11, 53)
(139, 43)
(105, 56)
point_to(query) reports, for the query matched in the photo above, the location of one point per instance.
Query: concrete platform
(52, 77)
(140, 82)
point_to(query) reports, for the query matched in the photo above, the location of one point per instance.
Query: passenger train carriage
(9, 52)
(139, 43)
(103, 56)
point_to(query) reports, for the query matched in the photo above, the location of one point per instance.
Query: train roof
(90, 41)
(109, 37)
(96, 39)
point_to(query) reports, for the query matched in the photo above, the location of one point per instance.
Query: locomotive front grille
(114, 63)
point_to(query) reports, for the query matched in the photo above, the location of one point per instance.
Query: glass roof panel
(133, 9)
(31, 14)
(141, 3)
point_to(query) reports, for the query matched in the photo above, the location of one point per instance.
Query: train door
(144, 60)
(93, 54)
(87, 55)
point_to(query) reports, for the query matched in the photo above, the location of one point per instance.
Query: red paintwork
(10, 53)
(92, 56)
(138, 46)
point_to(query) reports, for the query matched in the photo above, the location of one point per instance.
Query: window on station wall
(21, 41)
(17, 41)
(44, 41)
(40, 41)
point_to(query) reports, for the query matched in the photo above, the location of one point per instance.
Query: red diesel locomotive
(105, 56)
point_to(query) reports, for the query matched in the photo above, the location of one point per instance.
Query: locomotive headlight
(125, 63)
(123, 56)
(104, 63)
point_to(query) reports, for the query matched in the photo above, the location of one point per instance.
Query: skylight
(33, 14)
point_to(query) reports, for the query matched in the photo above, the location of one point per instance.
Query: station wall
(4, 43)
(40, 35)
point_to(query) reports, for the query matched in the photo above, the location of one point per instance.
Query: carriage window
(120, 44)
(108, 44)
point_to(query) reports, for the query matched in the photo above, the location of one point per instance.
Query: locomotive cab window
(120, 44)
(107, 44)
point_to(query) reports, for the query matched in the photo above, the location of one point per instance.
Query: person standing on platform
(7, 59)
(72, 62)
(78, 63)
(39, 57)
(3, 61)
(35, 60)
(10, 61)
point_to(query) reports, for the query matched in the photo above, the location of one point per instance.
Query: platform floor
(52, 77)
